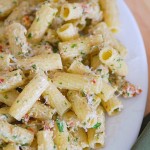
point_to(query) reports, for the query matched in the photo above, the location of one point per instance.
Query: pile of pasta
(61, 70)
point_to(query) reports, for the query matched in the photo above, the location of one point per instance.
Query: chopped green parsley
(97, 125)
(60, 125)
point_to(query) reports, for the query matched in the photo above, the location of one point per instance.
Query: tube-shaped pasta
(107, 92)
(8, 97)
(45, 62)
(17, 39)
(79, 47)
(43, 19)
(17, 14)
(5, 116)
(61, 135)
(11, 80)
(29, 96)
(15, 134)
(111, 15)
(78, 68)
(5, 60)
(87, 83)
(6, 7)
(67, 32)
(55, 98)
(80, 137)
(113, 60)
(96, 134)
(71, 11)
(11, 146)
(82, 109)
(113, 106)
(109, 39)
(45, 140)
(41, 111)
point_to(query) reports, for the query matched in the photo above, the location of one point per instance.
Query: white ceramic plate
(122, 130)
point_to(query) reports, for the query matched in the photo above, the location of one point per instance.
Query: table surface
(141, 11)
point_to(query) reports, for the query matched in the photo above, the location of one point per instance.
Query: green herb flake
(97, 125)
(60, 125)
(17, 101)
(37, 19)
(1, 56)
(14, 2)
(55, 50)
(84, 123)
(34, 67)
(76, 139)
(94, 100)
(14, 136)
(25, 144)
(20, 53)
(54, 146)
(68, 139)
(83, 94)
(99, 70)
(116, 110)
(73, 45)
(82, 53)
(6, 96)
(29, 35)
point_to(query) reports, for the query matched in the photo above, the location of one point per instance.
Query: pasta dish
(61, 72)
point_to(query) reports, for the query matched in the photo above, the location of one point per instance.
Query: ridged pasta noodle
(43, 19)
(111, 58)
(26, 100)
(67, 32)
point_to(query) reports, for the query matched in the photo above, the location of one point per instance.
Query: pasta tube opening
(106, 55)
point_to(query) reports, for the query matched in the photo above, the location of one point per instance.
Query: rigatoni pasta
(67, 32)
(13, 133)
(80, 106)
(111, 14)
(55, 99)
(71, 11)
(25, 100)
(113, 106)
(45, 62)
(17, 39)
(88, 83)
(43, 19)
(111, 58)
